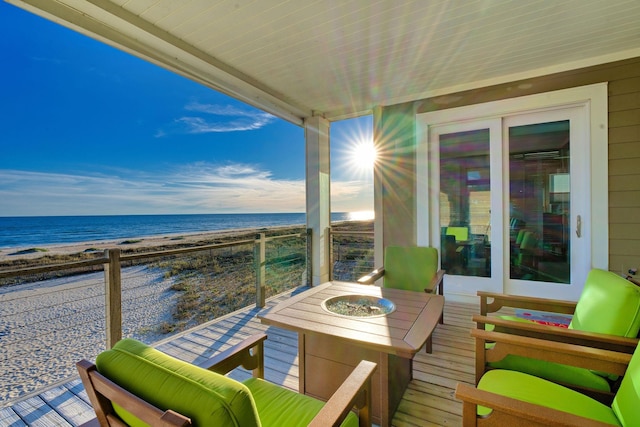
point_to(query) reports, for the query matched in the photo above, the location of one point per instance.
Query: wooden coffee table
(330, 346)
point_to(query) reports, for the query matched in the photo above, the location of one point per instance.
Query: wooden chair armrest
(354, 391)
(240, 354)
(555, 333)
(436, 283)
(530, 303)
(102, 391)
(370, 278)
(511, 412)
(552, 351)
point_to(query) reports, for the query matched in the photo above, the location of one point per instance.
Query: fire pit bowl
(358, 306)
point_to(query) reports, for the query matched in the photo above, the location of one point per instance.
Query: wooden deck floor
(428, 400)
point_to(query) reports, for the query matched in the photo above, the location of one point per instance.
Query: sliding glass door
(510, 201)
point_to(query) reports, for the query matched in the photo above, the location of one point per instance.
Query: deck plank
(428, 401)
(9, 418)
(35, 412)
(75, 411)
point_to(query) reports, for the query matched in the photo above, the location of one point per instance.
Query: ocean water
(51, 230)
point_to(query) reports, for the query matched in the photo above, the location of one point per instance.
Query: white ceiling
(341, 58)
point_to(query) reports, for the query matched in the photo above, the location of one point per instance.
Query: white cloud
(195, 188)
(351, 196)
(222, 118)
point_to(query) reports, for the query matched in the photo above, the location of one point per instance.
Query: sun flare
(363, 155)
(361, 215)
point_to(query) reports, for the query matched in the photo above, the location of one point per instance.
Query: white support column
(378, 238)
(318, 195)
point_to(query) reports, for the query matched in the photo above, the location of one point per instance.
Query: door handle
(579, 227)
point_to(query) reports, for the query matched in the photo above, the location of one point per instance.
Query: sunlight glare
(361, 215)
(364, 155)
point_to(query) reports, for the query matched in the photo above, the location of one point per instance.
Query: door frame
(593, 101)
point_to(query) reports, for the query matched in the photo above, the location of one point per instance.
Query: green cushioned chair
(608, 305)
(504, 397)
(138, 385)
(411, 268)
(461, 233)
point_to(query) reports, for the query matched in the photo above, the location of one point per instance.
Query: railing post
(260, 261)
(113, 297)
(309, 257)
(330, 234)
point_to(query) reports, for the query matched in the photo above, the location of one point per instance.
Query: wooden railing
(101, 295)
(354, 247)
(113, 259)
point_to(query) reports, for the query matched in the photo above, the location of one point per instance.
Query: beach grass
(130, 242)
(214, 282)
(29, 251)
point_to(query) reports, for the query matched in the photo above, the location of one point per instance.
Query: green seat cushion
(512, 319)
(409, 268)
(551, 371)
(554, 372)
(281, 407)
(625, 404)
(535, 390)
(168, 383)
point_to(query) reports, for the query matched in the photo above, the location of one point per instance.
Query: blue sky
(86, 129)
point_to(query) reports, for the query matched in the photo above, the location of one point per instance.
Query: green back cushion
(609, 304)
(206, 397)
(625, 404)
(409, 268)
(540, 392)
(281, 407)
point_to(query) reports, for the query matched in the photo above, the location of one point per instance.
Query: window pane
(539, 202)
(465, 203)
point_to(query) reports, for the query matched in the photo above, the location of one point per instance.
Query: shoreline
(138, 243)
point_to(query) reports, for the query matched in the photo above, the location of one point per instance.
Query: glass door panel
(539, 202)
(465, 203)
(509, 193)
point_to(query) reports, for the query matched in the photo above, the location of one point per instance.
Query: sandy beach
(48, 325)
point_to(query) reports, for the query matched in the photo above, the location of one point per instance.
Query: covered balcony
(482, 112)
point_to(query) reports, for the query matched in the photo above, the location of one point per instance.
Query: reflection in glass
(465, 203)
(539, 202)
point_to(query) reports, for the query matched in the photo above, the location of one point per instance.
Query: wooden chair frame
(435, 284)
(542, 332)
(508, 411)
(355, 391)
(536, 330)
(530, 303)
(554, 333)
